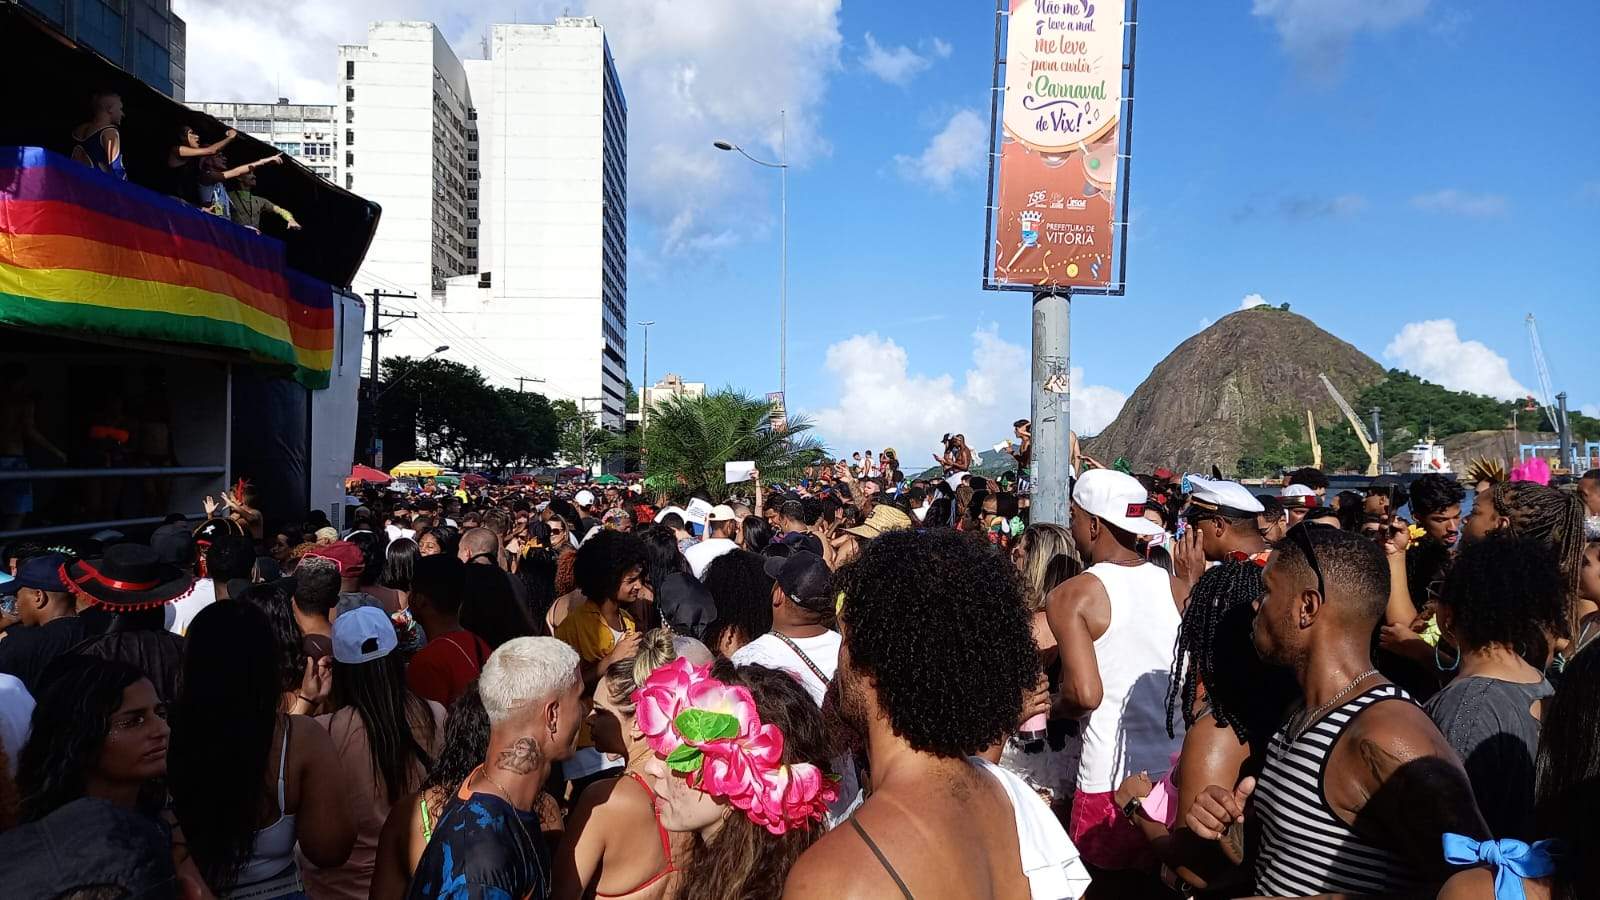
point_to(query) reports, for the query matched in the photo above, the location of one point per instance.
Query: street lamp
(644, 389)
(407, 374)
(782, 165)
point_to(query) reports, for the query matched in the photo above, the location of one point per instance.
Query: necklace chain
(1296, 732)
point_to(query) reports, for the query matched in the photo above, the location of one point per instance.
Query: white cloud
(1592, 410)
(898, 65)
(686, 66)
(880, 401)
(1461, 203)
(1251, 300)
(1433, 350)
(956, 151)
(1317, 33)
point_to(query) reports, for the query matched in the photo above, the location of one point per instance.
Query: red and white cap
(1298, 495)
(1115, 498)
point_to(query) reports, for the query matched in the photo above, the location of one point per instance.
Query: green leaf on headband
(684, 759)
(698, 726)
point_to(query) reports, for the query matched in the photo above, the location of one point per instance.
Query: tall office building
(542, 292)
(143, 37)
(305, 132)
(405, 111)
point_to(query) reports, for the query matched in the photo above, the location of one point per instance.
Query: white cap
(722, 512)
(583, 498)
(1297, 490)
(671, 511)
(362, 635)
(1227, 498)
(1116, 499)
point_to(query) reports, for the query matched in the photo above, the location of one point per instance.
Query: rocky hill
(1205, 403)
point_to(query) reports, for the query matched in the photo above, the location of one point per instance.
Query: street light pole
(644, 388)
(782, 165)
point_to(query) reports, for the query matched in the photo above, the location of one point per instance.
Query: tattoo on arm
(521, 757)
(1233, 842)
(1413, 801)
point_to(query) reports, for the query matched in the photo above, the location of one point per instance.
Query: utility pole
(521, 380)
(583, 430)
(644, 389)
(1051, 408)
(377, 333)
(1564, 434)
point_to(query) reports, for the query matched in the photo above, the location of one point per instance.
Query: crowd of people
(855, 685)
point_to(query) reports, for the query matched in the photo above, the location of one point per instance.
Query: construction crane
(1547, 392)
(1316, 446)
(1362, 434)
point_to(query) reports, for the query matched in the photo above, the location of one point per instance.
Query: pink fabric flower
(713, 732)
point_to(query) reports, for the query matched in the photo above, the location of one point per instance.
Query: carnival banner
(1056, 196)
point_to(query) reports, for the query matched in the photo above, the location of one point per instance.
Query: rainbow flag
(83, 252)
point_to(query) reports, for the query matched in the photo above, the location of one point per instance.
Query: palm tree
(688, 439)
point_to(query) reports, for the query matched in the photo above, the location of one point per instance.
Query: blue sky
(1414, 175)
(1443, 167)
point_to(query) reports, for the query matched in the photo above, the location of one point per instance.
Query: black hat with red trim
(125, 578)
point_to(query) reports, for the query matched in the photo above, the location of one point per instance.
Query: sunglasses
(1300, 536)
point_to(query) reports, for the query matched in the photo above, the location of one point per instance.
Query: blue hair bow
(1511, 860)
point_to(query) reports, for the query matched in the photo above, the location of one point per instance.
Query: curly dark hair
(743, 859)
(466, 740)
(1506, 589)
(1553, 516)
(939, 622)
(603, 560)
(275, 598)
(742, 592)
(79, 696)
(1432, 493)
(1215, 649)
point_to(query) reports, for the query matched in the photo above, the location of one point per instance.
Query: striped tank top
(1305, 847)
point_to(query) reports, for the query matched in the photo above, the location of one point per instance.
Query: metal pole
(1564, 434)
(644, 389)
(372, 378)
(1377, 439)
(1051, 408)
(783, 257)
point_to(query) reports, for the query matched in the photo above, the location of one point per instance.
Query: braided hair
(1215, 649)
(1546, 514)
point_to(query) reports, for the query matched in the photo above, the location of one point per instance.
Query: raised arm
(185, 150)
(236, 171)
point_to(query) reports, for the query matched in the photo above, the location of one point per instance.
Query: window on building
(349, 94)
(349, 114)
(472, 156)
(472, 234)
(349, 181)
(473, 135)
(349, 69)
(349, 158)
(472, 212)
(472, 114)
(349, 137)
(472, 193)
(472, 174)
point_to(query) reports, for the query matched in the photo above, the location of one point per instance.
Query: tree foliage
(1411, 408)
(460, 419)
(688, 439)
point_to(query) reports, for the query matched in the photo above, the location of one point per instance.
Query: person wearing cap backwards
(1116, 624)
(721, 527)
(48, 624)
(584, 501)
(1222, 526)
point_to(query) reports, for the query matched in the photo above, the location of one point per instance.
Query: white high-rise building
(543, 291)
(305, 132)
(406, 114)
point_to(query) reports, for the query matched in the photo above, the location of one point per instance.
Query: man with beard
(936, 660)
(1357, 763)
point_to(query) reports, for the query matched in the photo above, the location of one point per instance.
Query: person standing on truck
(97, 143)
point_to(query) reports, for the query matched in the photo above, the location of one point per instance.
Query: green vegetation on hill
(1411, 408)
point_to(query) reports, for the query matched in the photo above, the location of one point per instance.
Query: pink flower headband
(711, 732)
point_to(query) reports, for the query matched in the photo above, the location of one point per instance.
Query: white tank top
(1127, 733)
